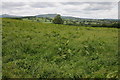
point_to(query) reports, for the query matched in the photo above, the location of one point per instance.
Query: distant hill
(9, 16)
(67, 17)
(50, 16)
(47, 15)
(53, 15)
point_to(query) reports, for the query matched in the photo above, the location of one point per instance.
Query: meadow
(45, 50)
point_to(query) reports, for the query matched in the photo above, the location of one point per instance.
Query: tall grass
(39, 50)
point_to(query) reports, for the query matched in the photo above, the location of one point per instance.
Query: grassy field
(43, 50)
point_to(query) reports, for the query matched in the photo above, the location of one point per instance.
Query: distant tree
(58, 20)
(38, 20)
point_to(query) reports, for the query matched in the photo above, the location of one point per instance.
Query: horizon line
(55, 13)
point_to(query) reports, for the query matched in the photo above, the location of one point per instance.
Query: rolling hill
(50, 16)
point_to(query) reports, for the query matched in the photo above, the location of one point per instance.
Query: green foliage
(75, 22)
(41, 50)
(58, 20)
(112, 25)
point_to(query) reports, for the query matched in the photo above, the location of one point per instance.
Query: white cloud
(60, 0)
(77, 9)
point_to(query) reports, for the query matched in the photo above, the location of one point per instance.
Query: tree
(58, 20)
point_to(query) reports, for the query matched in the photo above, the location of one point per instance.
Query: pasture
(45, 50)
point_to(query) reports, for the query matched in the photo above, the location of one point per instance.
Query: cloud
(91, 5)
(42, 4)
(7, 5)
(76, 9)
(60, 0)
(119, 10)
(93, 9)
(100, 6)
(71, 3)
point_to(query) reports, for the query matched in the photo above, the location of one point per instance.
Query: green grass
(40, 50)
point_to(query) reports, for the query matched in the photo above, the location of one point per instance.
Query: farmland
(46, 50)
(76, 21)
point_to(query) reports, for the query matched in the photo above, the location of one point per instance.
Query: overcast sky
(76, 9)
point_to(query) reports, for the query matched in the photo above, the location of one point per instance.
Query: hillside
(44, 50)
(51, 16)
(9, 16)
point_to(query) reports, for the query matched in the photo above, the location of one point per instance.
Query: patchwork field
(45, 50)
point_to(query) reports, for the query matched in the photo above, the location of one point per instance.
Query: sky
(81, 9)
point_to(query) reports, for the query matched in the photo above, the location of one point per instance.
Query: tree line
(59, 20)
